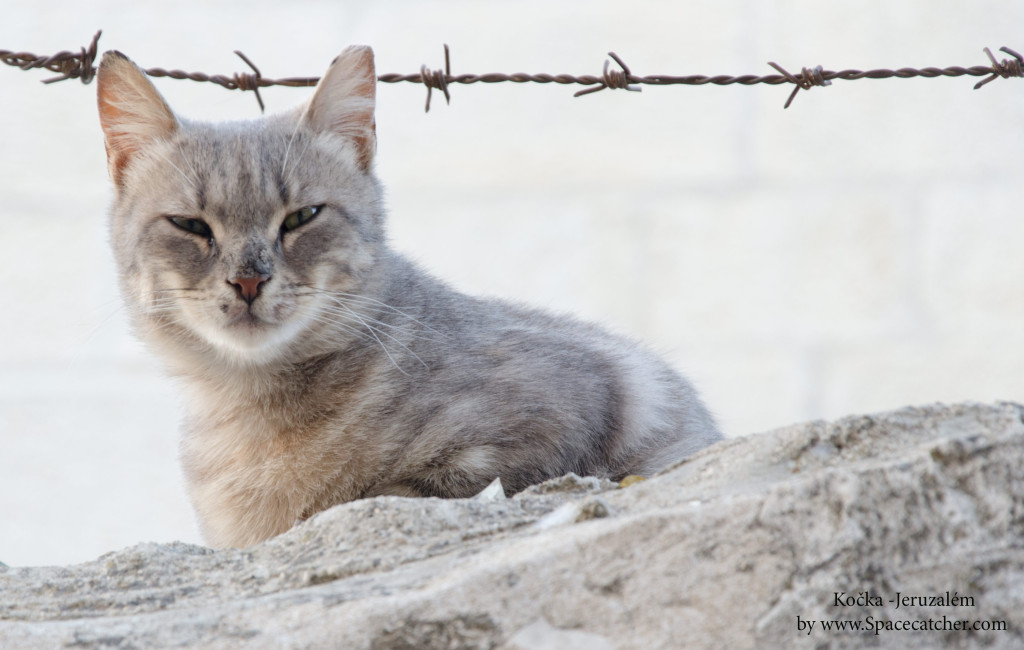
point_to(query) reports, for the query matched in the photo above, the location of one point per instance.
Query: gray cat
(319, 366)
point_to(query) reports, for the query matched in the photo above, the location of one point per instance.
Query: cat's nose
(248, 288)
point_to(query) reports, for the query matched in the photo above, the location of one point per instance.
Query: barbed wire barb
(437, 79)
(69, 65)
(1005, 68)
(612, 78)
(80, 65)
(808, 79)
(250, 81)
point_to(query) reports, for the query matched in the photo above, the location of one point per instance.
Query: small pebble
(632, 479)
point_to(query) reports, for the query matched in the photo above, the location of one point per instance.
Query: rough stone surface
(733, 548)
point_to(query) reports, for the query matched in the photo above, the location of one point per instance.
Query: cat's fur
(318, 365)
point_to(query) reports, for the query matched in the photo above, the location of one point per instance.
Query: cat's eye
(300, 217)
(195, 226)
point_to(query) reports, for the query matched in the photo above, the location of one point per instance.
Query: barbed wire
(80, 65)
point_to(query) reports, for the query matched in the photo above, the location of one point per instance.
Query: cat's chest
(234, 441)
(276, 444)
(232, 431)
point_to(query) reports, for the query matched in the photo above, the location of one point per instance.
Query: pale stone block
(771, 267)
(90, 453)
(748, 387)
(972, 263)
(877, 376)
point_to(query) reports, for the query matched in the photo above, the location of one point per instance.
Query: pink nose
(248, 289)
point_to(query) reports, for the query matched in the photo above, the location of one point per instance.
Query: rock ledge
(755, 542)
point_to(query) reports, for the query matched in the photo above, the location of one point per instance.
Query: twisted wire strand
(80, 65)
(70, 65)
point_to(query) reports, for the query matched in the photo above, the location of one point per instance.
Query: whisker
(380, 323)
(319, 317)
(309, 141)
(357, 297)
(384, 347)
(187, 179)
(373, 332)
(344, 326)
(288, 148)
(376, 331)
(195, 175)
(79, 348)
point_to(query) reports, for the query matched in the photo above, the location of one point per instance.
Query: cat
(318, 365)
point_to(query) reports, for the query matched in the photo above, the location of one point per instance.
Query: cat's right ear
(132, 112)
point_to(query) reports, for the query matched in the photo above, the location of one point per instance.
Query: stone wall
(742, 546)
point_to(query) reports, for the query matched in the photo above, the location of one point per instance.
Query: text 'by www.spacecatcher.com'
(900, 613)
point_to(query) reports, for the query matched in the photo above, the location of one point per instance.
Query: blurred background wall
(862, 250)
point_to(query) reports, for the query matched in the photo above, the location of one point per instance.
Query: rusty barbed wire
(69, 64)
(80, 65)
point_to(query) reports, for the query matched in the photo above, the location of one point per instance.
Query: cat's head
(237, 240)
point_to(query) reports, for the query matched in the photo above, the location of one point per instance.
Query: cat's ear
(344, 101)
(132, 112)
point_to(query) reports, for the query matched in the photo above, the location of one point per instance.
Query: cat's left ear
(344, 101)
(132, 112)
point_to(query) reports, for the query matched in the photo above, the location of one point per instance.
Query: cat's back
(552, 393)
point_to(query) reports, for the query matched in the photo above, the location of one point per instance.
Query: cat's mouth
(251, 333)
(247, 320)
(250, 330)
(247, 331)
(240, 317)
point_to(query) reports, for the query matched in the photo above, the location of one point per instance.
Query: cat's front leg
(233, 515)
(238, 502)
